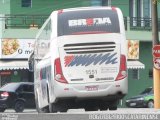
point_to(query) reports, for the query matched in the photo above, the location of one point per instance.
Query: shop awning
(135, 65)
(23, 64)
(13, 65)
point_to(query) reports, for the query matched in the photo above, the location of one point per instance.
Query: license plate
(132, 104)
(91, 88)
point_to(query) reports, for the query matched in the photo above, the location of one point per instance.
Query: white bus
(79, 60)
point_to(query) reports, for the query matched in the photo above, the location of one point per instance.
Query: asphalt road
(80, 114)
(82, 111)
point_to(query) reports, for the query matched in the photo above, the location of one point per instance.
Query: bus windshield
(88, 21)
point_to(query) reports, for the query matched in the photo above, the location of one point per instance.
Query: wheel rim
(150, 104)
(19, 106)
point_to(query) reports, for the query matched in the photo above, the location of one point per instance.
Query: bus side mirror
(30, 64)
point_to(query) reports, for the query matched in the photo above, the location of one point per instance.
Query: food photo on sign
(9, 46)
(16, 48)
(133, 49)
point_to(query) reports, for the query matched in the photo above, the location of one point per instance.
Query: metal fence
(143, 24)
(137, 23)
(24, 21)
(27, 21)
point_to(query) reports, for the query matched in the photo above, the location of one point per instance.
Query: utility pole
(156, 72)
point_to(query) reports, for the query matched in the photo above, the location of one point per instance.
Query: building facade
(21, 19)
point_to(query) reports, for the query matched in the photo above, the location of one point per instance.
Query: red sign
(5, 72)
(156, 51)
(156, 62)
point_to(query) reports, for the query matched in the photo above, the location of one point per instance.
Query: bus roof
(87, 8)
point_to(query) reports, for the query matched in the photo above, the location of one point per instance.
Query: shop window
(106, 2)
(132, 13)
(140, 11)
(139, 8)
(96, 2)
(147, 8)
(26, 3)
(142, 7)
(150, 73)
(131, 8)
(100, 2)
(135, 74)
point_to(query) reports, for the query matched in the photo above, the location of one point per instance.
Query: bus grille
(85, 48)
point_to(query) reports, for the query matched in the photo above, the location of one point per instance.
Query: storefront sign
(5, 72)
(12, 48)
(133, 49)
(156, 56)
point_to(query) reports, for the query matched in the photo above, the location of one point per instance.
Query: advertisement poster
(12, 48)
(133, 49)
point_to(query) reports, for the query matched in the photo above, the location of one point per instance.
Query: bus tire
(45, 109)
(91, 106)
(113, 108)
(58, 107)
(62, 106)
(54, 108)
(113, 105)
(103, 106)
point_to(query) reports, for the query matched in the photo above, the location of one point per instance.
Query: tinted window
(10, 87)
(152, 92)
(79, 22)
(27, 88)
(43, 41)
(147, 90)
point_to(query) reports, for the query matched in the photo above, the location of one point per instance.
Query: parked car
(17, 96)
(144, 99)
